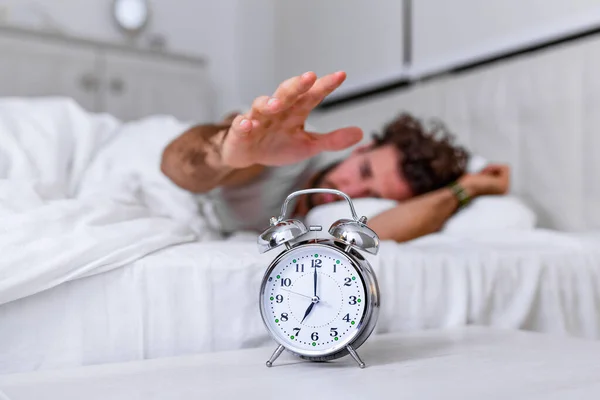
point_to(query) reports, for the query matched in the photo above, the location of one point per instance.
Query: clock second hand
(303, 295)
(299, 294)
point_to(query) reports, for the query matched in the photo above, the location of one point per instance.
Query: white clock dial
(311, 319)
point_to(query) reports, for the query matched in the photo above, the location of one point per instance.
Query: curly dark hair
(429, 158)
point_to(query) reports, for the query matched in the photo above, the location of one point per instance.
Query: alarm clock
(319, 298)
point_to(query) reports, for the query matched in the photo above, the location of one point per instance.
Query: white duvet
(82, 193)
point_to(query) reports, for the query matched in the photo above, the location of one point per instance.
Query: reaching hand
(492, 180)
(272, 132)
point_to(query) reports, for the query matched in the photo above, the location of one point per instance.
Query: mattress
(202, 297)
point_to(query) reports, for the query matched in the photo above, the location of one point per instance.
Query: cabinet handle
(117, 86)
(89, 82)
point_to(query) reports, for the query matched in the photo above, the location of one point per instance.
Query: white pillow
(476, 163)
(327, 214)
(483, 213)
(492, 213)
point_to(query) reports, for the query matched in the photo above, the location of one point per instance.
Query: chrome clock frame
(368, 320)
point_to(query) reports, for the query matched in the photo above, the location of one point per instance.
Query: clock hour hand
(308, 310)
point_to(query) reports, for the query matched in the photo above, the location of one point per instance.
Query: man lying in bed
(247, 165)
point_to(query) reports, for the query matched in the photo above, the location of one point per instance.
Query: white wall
(254, 53)
(252, 45)
(450, 32)
(363, 38)
(196, 27)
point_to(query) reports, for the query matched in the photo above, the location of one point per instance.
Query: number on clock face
(314, 299)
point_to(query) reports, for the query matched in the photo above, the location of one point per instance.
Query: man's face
(368, 172)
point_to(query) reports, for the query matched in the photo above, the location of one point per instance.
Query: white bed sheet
(202, 297)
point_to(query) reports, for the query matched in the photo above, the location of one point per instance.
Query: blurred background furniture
(124, 81)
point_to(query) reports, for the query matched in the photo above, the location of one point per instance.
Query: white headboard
(539, 112)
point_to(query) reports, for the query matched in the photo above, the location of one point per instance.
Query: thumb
(338, 139)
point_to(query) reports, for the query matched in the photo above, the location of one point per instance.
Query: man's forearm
(193, 161)
(416, 217)
(428, 213)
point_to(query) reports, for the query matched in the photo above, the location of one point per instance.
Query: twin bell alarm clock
(319, 298)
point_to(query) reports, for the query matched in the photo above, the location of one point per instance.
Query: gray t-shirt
(249, 207)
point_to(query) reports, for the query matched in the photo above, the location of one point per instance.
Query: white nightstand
(474, 363)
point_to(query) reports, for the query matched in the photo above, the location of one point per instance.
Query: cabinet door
(31, 68)
(136, 86)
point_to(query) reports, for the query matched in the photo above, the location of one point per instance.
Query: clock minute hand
(315, 279)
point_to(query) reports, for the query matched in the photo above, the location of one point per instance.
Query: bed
(202, 297)
(103, 260)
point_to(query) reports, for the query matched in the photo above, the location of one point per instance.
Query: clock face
(314, 300)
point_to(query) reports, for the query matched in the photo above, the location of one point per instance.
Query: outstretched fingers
(243, 125)
(336, 140)
(322, 88)
(303, 92)
(285, 96)
(263, 106)
(291, 89)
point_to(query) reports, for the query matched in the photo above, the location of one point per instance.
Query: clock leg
(276, 354)
(354, 355)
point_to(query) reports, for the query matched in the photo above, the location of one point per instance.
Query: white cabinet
(37, 68)
(127, 83)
